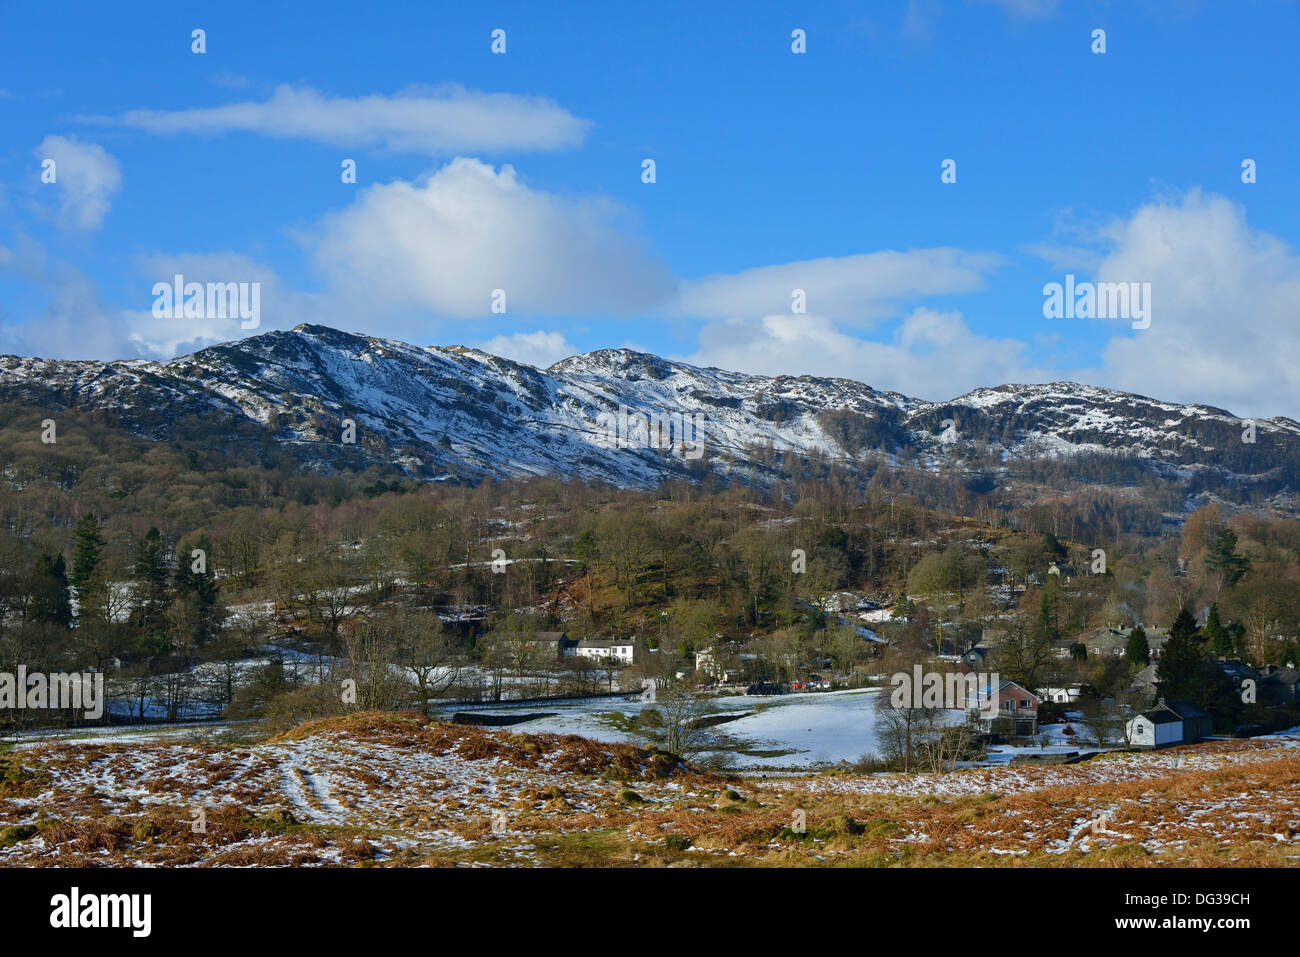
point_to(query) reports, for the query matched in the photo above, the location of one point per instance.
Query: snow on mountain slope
(1065, 417)
(442, 411)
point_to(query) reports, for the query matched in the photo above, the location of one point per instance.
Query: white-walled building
(1060, 695)
(1154, 729)
(1169, 722)
(622, 650)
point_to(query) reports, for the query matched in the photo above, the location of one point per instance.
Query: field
(374, 789)
(792, 731)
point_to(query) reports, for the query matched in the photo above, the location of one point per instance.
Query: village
(1060, 721)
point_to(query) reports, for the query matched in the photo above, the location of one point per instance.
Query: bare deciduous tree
(680, 710)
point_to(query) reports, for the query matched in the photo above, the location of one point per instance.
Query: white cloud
(539, 349)
(1224, 304)
(435, 122)
(76, 324)
(932, 355)
(86, 177)
(443, 244)
(1065, 257)
(73, 324)
(280, 306)
(862, 288)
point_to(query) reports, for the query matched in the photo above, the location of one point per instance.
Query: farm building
(1167, 724)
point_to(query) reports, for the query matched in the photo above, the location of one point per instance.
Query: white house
(621, 650)
(1060, 695)
(711, 662)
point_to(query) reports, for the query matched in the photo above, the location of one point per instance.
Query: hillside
(387, 790)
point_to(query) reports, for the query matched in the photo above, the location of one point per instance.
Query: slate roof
(1186, 709)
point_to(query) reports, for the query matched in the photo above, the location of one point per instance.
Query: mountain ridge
(454, 411)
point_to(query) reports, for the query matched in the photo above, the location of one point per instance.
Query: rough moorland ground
(375, 789)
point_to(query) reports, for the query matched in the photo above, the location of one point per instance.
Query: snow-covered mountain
(450, 411)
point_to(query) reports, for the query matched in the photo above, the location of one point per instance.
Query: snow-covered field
(128, 734)
(388, 789)
(391, 783)
(794, 731)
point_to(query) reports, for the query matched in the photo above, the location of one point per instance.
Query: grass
(572, 802)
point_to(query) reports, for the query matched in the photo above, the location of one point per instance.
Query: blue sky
(775, 170)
